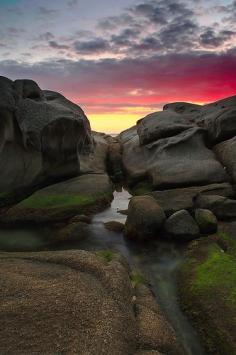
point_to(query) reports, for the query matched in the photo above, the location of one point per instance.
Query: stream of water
(159, 262)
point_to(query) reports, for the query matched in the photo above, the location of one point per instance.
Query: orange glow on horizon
(112, 123)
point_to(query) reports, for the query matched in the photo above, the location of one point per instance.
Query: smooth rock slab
(181, 227)
(62, 201)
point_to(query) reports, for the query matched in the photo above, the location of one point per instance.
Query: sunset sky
(122, 59)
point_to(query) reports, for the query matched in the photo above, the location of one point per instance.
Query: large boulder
(183, 160)
(145, 218)
(226, 153)
(189, 110)
(42, 134)
(84, 194)
(219, 118)
(160, 125)
(174, 200)
(181, 227)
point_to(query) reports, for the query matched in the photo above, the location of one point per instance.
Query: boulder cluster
(184, 157)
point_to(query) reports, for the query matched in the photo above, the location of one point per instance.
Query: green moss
(137, 278)
(208, 291)
(55, 201)
(217, 274)
(107, 255)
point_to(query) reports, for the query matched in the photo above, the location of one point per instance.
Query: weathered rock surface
(153, 330)
(206, 220)
(160, 125)
(174, 200)
(86, 193)
(145, 218)
(134, 159)
(226, 153)
(219, 119)
(223, 207)
(170, 161)
(167, 143)
(42, 134)
(50, 299)
(181, 227)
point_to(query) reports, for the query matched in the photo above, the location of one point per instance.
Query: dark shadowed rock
(222, 207)
(219, 119)
(226, 153)
(206, 220)
(145, 218)
(42, 135)
(181, 227)
(182, 199)
(134, 160)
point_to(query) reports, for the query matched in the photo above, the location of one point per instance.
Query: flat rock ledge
(77, 302)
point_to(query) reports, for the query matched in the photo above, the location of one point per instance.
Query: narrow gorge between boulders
(158, 261)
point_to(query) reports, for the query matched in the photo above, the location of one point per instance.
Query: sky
(122, 59)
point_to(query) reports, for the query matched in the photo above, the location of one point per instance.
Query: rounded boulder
(145, 218)
(206, 221)
(182, 227)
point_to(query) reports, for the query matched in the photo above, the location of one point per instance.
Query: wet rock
(114, 226)
(226, 153)
(174, 200)
(181, 227)
(222, 207)
(84, 194)
(145, 218)
(206, 221)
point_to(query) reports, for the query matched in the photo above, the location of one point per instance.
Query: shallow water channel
(158, 261)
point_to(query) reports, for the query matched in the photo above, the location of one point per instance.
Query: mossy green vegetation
(208, 291)
(55, 201)
(107, 255)
(137, 278)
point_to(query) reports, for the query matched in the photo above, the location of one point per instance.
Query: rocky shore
(180, 166)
